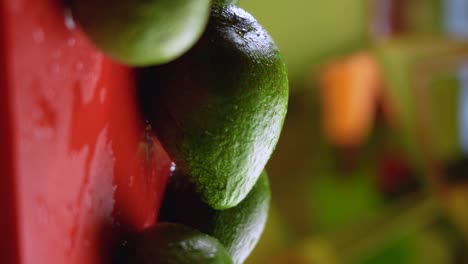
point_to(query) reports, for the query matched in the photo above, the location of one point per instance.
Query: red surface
(75, 153)
(8, 219)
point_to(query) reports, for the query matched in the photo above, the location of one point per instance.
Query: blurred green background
(395, 193)
(309, 31)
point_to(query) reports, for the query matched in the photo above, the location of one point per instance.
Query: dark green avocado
(142, 32)
(169, 243)
(238, 228)
(219, 109)
(225, 2)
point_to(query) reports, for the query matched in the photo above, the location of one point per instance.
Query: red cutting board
(76, 156)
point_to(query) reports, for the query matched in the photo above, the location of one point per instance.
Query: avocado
(219, 109)
(142, 32)
(238, 228)
(170, 243)
(225, 2)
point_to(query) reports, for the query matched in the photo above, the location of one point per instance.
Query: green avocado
(219, 109)
(169, 243)
(225, 2)
(142, 32)
(238, 228)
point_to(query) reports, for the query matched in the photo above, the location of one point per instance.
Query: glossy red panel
(81, 157)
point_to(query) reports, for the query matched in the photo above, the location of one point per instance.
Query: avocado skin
(219, 109)
(238, 228)
(171, 243)
(142, 32)
(225, 2)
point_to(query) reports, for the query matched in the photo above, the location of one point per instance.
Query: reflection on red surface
(81, 154)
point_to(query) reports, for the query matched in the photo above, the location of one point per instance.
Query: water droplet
(68, 19)
(79, 66)
(38, 35)
(173, 167)
(102, 95)
(130, 181)
(71, 42)
(69, 207)
(67, 244)
(55, 68)
(43, 211)
(57, 54)
(88, 201)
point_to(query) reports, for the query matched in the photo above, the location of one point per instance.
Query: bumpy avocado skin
(142, 32)
(225, 2)
(218, 110)
(238, 228)
(169, 243)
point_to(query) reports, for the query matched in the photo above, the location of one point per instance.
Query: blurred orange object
(348, 92)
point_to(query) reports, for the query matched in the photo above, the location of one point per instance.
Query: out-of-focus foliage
(307, 31)
(371, 165)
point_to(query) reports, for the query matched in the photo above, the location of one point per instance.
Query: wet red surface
(76, 155)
